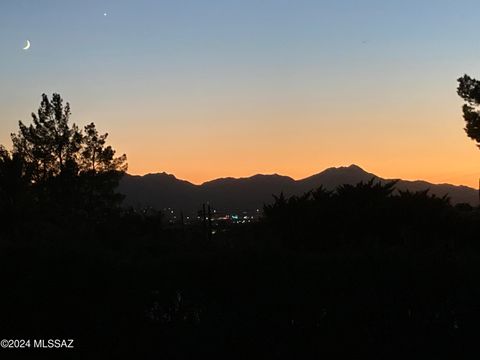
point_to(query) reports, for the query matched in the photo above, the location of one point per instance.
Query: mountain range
(163, 190)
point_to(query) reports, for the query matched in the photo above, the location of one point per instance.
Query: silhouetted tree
(68, 168)
(13, 184)
(469, 90)
(49, 143)
(97, 157)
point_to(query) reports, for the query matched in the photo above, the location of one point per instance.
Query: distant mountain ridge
(164, 190)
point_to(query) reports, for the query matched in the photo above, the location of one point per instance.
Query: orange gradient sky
(223, 89)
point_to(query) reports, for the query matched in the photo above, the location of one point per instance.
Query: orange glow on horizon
(421, 142)
(454, 177)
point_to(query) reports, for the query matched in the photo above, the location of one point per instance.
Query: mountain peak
(163, 190)
(351, 167)
(355, 167)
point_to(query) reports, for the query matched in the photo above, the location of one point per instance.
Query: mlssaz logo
(53, 344)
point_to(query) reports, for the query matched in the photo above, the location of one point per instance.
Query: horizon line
(299, 179)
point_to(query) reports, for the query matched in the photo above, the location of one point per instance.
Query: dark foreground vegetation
(365, 270)
(358, 271)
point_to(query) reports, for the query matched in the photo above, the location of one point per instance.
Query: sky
(208, 89)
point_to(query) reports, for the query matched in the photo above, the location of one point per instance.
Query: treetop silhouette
(50, 145)
(469, 90)
(66, 167)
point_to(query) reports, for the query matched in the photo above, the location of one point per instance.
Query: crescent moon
(27, 46)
